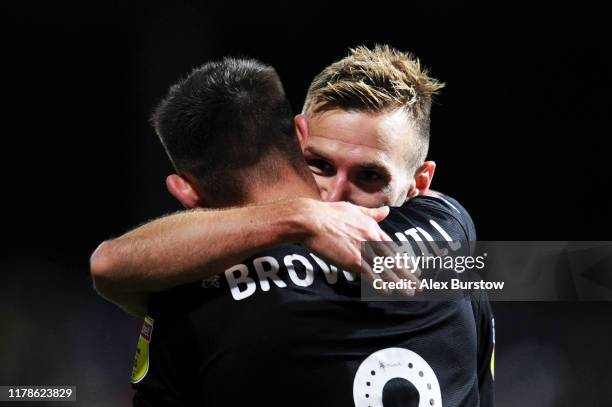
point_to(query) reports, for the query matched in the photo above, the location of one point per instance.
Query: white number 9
(391, 363)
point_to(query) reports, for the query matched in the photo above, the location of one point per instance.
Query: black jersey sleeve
(456, 210)
(485, 327)
(165, 374)
(160, 384)
(442, 217)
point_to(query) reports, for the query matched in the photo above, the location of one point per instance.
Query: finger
(381, 250)
(370, 276)
(383, 237)
(400, 249)
(367, 262)
(391, 275)
(385, 248)
(368, 271)
(378, 214)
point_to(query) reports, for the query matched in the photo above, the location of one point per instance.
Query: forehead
(381, 137)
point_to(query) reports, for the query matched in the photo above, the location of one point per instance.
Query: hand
(336, 230)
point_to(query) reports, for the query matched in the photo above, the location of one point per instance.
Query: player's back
(286, 328)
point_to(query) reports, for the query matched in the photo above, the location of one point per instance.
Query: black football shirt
(285, 328)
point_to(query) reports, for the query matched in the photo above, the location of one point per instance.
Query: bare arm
(193, 245)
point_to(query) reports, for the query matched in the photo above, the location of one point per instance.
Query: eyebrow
(316, 152)
(371, 165)
(376, 167)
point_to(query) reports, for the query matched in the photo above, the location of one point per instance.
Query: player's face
(360, 157)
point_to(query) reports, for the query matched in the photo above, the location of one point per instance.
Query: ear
(182, 190)
(423, 177)
(412, 191)
(301, 129)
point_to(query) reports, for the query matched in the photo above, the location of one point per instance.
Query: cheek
(396, 192)
(386, 198)
(402, 193)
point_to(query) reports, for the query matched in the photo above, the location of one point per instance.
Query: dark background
(519, 135)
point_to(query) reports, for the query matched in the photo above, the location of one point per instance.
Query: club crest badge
(141, 359)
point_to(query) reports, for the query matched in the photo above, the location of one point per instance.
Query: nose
(338, 189)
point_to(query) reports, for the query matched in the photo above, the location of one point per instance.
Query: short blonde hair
(377, 80)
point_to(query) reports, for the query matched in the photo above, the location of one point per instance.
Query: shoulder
(440, 210)
(442, 203)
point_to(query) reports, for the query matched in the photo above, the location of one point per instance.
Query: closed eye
(371, 179)
(369, 176)
(320, 166)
